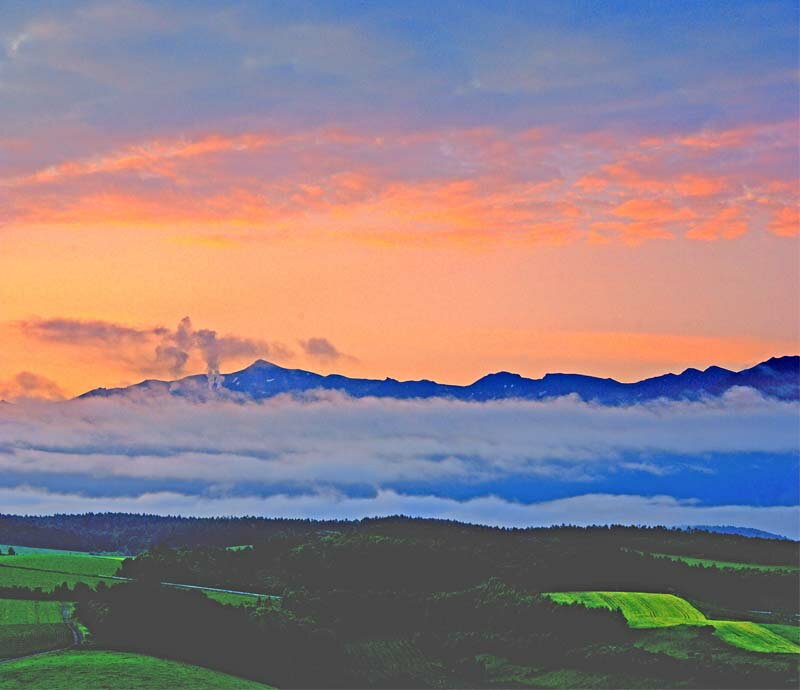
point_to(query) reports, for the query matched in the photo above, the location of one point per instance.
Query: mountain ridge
(777, 377)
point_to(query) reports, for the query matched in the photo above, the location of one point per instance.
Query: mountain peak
(264, 364)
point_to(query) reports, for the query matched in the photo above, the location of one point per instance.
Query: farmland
(709, 563)
(27, 627)
(47, 569)
(404, 603)
(652, 610)
(78, 670)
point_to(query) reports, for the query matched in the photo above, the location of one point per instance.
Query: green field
(66, 563)
(708, 563)
(641, 610)
(48, 568)
(753, 637)
(790, 632)
(27, 627)
(237, 599)
(40, 551)
(649, 610)
(78, 670)
(21, 611)
(45, 580)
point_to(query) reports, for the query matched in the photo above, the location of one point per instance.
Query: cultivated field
(27, 627)
(78, 670)
(649, 610)
(708, 563)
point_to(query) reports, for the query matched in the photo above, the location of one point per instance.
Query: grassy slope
(727, 564)
(27, 627)
(75, 670)
(648, 610)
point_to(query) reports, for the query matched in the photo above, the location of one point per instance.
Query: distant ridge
(741, 531)
(778, 377)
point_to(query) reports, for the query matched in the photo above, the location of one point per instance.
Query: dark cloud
(322, 348)
(154, 350)
(26, 384)
(79, 332)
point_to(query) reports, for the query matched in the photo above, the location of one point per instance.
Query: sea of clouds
(730, 460)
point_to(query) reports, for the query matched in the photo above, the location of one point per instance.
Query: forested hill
(130, 534)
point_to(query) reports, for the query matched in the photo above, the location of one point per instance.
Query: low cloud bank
(587, 509)
(339, 457)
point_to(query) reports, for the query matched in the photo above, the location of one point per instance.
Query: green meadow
(653, 610)
(84, 670)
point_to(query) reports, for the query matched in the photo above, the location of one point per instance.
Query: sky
(406, 189)
(412, 189)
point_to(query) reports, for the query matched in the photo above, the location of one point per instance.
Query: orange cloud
(652, 210)
(727, 223)
(785, 222)
(699, 185)
(631, 233)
